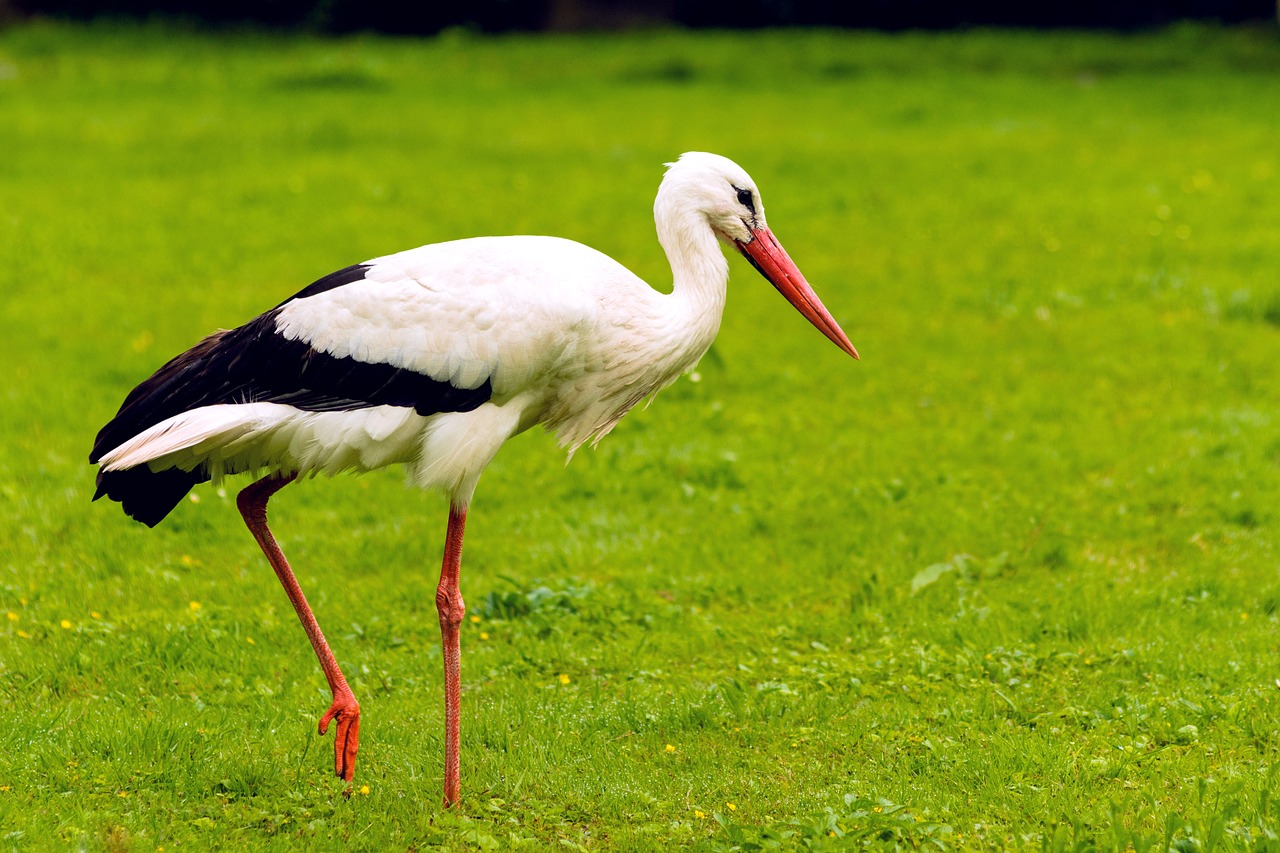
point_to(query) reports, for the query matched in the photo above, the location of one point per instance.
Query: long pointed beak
(772, 261)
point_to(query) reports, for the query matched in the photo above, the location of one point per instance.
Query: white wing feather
(506, 309)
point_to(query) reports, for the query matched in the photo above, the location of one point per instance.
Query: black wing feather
(252, 364)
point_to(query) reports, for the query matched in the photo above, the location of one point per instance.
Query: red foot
(346, 740)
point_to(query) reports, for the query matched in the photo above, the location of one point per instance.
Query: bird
(432, 358)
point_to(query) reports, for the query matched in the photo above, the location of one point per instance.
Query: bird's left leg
(451, 607)
(252, 502)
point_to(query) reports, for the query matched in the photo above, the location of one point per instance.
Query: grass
(1008, 583)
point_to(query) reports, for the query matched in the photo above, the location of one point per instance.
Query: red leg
(449, 603)
(253, 506)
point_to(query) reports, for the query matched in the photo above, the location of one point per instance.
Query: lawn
(1010, 582)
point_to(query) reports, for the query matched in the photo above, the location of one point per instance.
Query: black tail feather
(146, 495)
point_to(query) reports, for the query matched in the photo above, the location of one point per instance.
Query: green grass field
(1011, 582)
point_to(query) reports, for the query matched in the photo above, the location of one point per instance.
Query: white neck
(700, 275)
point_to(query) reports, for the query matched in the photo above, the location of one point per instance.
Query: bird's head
(723, 194)
(716, 188)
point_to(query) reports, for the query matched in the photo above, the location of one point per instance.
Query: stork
(432, 358)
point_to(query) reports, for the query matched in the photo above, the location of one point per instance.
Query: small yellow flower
(731, 807)
(123, 794)
(13, 617)
(669, 748)
(24, 635)
(698, 813)
(194, 605)
(831, 833)
(251, 641)
(1244, 615)
(95, 614)
(564, 679)
(4, 787)
(484, 635)
(877, 809)
(364, 789)
(475, 619)
(65, 623)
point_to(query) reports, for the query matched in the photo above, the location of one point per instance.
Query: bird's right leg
(252, 502)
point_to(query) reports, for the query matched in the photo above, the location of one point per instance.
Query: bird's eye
(745, 199)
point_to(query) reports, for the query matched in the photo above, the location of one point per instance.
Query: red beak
(772, 261)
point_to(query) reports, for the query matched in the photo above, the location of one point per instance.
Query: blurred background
(395, 16)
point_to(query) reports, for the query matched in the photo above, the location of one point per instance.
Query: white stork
(433, 358)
